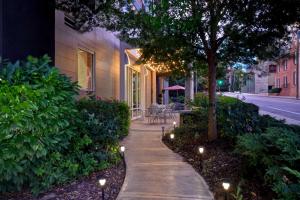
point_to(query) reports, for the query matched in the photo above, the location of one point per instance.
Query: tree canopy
(184, 34)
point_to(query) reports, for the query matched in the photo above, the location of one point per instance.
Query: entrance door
(133, 92)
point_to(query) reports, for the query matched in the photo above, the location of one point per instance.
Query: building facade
(97, 60)
(286, 72)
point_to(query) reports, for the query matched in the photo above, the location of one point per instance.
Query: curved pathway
(155, 172)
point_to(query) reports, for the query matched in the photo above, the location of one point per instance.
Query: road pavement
(279, 107)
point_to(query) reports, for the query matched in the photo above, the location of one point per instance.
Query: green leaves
(274, 154)
(47, 138)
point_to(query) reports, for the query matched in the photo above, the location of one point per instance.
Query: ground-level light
(201, 150)
(122, 149)
(226, 185)
(174, 124)
(172, 136)
(102, 183)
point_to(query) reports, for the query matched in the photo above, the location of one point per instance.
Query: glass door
(133, 92)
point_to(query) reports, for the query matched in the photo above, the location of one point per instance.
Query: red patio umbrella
(175, 87)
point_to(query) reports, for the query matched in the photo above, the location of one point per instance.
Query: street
(280, 108)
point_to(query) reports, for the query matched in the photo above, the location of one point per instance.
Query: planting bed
(219, 164)
(85, 188)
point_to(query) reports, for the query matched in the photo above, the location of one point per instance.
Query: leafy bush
(266, 121)
(105, 122)
(234, 117)
(275, 90)
(112, 115)
(271, 155)
(200, 100)
(193, 129)
(44, 139)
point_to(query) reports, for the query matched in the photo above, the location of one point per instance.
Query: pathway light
(172, 136)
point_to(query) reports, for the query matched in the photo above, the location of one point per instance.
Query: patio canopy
(175, 87)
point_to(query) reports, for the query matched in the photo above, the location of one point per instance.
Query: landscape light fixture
(201, 150)
(226, 186)
(174, 123)
(163, 131)
(102, 183)
(172, 136)
(122, 149)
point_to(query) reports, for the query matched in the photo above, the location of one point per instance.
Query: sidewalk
(154, 172)
(260, 95)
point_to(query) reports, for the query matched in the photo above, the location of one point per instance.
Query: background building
(286, 73)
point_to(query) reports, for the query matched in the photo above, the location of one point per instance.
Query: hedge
(46, 138)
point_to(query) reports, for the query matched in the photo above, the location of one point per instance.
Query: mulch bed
(219, 163)
(85, 188)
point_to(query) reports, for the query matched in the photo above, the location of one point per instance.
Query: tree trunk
(212, 119)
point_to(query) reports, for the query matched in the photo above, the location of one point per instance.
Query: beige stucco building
(104, 66)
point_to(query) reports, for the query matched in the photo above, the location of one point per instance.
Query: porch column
(166, 94)
(189, 87)
(143, 87)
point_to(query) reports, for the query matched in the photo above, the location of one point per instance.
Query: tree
(188, 33)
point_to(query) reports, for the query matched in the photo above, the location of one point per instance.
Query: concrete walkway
(155, 172)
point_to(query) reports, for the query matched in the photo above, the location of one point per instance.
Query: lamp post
(226, 186)
(102, 184)
(174, 124)
(297, 70)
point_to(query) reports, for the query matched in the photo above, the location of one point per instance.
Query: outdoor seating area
(158, 113)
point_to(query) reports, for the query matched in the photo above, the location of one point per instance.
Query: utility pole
(298, 71)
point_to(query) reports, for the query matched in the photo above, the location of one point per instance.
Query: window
(278, 68)
(278, 83)
(85, 70)
(272, 68)
(294, 78)
(285, 64)
(285, 82)
(295, 57)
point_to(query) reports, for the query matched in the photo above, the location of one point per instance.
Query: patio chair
(156, 113)
(170, 111)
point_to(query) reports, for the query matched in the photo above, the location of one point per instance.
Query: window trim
(278, 83)
(285, 81)
(93, 89)
(285, 64)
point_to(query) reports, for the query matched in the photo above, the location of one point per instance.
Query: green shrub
(106, 122)
(36, 123)
(200, 100)
(235, 117)
(40, 141)
(266, 121)
(269, 154)
(112, 117)
(193, 129)
(275, 90)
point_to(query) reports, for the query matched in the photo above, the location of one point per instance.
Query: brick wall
(286, 69)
